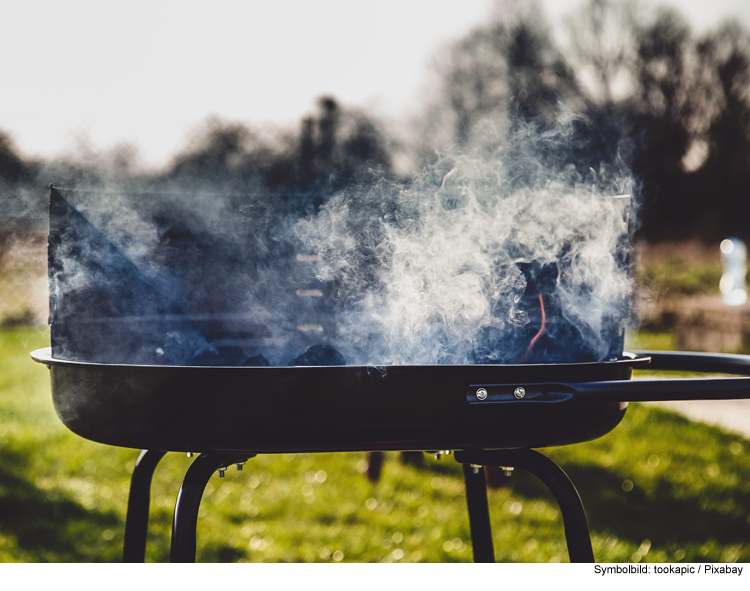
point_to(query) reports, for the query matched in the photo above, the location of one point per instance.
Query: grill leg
(374, 465)
(189, 499)
(574, 517)
(479, 514)
(136, 521)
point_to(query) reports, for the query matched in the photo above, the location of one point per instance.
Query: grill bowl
(324, 409)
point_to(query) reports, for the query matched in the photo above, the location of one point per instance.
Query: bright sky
(147, 72)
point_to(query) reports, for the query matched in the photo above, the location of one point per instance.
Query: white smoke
(447, 268)
(423, 270)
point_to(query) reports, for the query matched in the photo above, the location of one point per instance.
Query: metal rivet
(240, 465)
(507, 470)
(438, 455)
(519, 392)
(221, 472)
(190, 454)
(481, 393)
(475, 468)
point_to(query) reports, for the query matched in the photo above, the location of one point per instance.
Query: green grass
(650, 341)
(658, 488)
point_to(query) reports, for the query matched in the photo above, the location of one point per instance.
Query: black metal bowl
(328, 408)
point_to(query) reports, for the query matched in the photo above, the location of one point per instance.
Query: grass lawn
(658, 488)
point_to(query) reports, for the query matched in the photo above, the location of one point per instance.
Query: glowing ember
(538, 334)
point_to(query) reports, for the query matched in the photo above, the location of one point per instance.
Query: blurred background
(296, 98)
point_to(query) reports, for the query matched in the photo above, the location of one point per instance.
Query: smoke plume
(502, 255)
(448, 269)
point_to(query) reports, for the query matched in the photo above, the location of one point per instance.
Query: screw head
(481, 394)
(519, 392)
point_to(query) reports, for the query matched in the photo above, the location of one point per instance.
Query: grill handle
(633, 391)
(697, 362)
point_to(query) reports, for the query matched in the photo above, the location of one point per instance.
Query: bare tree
(602, 43)
(506, 70)
(725, 105)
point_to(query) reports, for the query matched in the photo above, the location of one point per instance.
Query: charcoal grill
(227, 412)
(491, 415)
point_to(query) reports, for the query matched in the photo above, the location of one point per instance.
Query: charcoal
(256, 361)
(319, 355)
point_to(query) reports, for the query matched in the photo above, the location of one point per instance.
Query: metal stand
(479, 514)
(189, 500)
(136, 521)
(191, 492)
(574, 517)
